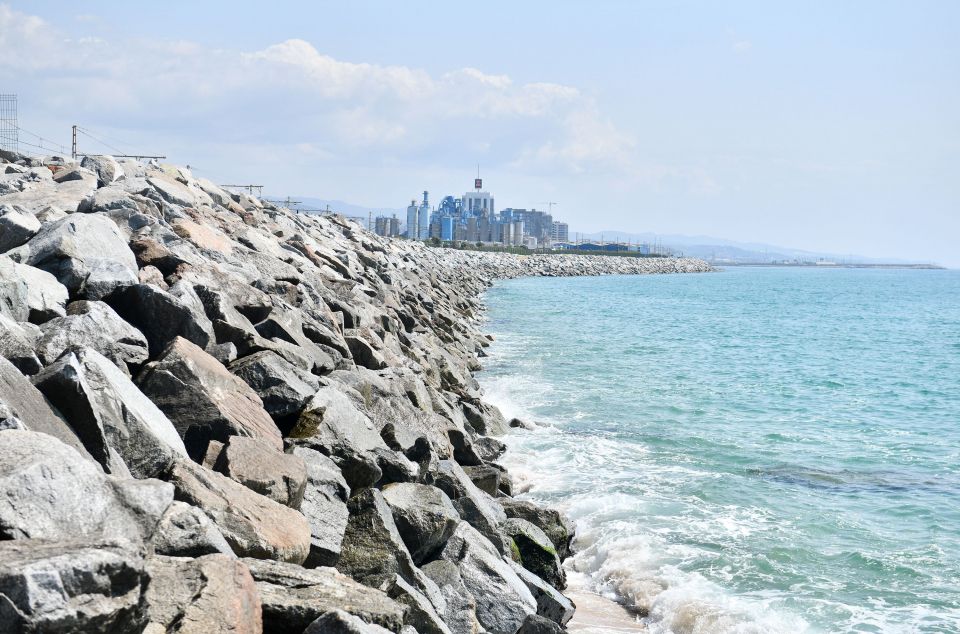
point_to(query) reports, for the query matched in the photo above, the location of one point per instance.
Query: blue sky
(818, 125)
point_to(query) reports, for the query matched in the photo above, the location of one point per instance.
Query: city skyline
(832, 128)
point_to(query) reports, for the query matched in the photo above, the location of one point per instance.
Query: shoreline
(277, 410)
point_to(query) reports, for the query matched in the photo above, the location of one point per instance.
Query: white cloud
(290, 93)
(742, 46)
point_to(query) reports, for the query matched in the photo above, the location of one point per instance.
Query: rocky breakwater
(217, 415)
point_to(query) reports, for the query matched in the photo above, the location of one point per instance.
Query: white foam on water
(615, 556)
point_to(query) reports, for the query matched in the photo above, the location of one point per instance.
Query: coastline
(278, 408)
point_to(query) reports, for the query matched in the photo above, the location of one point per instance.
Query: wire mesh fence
(9, 130)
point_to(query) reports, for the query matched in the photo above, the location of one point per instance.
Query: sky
(826, 126)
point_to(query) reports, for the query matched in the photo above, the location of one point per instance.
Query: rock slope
(220, 416)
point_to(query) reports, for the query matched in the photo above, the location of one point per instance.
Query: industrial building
(387, 226)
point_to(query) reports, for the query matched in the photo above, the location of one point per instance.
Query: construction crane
(550, 203)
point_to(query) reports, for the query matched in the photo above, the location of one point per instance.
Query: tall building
(560, 232)
(478, 202)
(413, 224)
(424, 223)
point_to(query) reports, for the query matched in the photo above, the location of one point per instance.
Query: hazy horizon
(831, 128)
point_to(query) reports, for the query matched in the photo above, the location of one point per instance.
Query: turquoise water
(753, 450)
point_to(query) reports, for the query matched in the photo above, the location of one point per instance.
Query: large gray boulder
(474, 506)
(421, 613)
(372, 546)
(20, 400)
(48, 491)
(503, 599)
(253, 525)
(340, 622)
(331, 419)
(535, 624)
(111, 414)
(186, 531)
(284, 388)
(294, 597)
(105, 167)
(213, 594)
(94, 325)
(537, 552)
(461, 608)
(259, 466)
(163, 316)
(324, 506)
(204, 400)
(551, 521)
(424, 516)
(17, 343)
(85, 252)
(550, 603)
(29, 293)
(71, 585)
(16, 227)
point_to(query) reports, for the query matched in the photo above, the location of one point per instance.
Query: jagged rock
(550, 603)
(74, 173)
(460, 614)
(13, 293)
(284, 388)
(535, 624)
(253, 525)
(85, 252)
(394, 467)
(486, 478)
(488, 448)
(172, 191)
(324, 506)
(463, 450)
(424, 516)
(16, 345)
(420, 614)
(162, 316)
(294, 597)
(185, 531)
(372, 546)
(105, 167)
(340, 622)
(211, 594)
(204, 401)
(71, 585)
(22, 401)
(49, 491)
(551, 521)
(332, 419)
(503, 599)
(474, 506)
(537, 552)
(109, 200)
(28, 293)
(111, 416)
(93, 325)
(364, 353)
(517, 423)
(17, 226)
(259, 466)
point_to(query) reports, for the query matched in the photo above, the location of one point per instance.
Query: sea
(753, 450)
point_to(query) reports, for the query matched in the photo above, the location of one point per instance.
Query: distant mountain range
(723, 250)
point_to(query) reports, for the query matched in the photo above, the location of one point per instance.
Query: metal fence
(9, 129)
